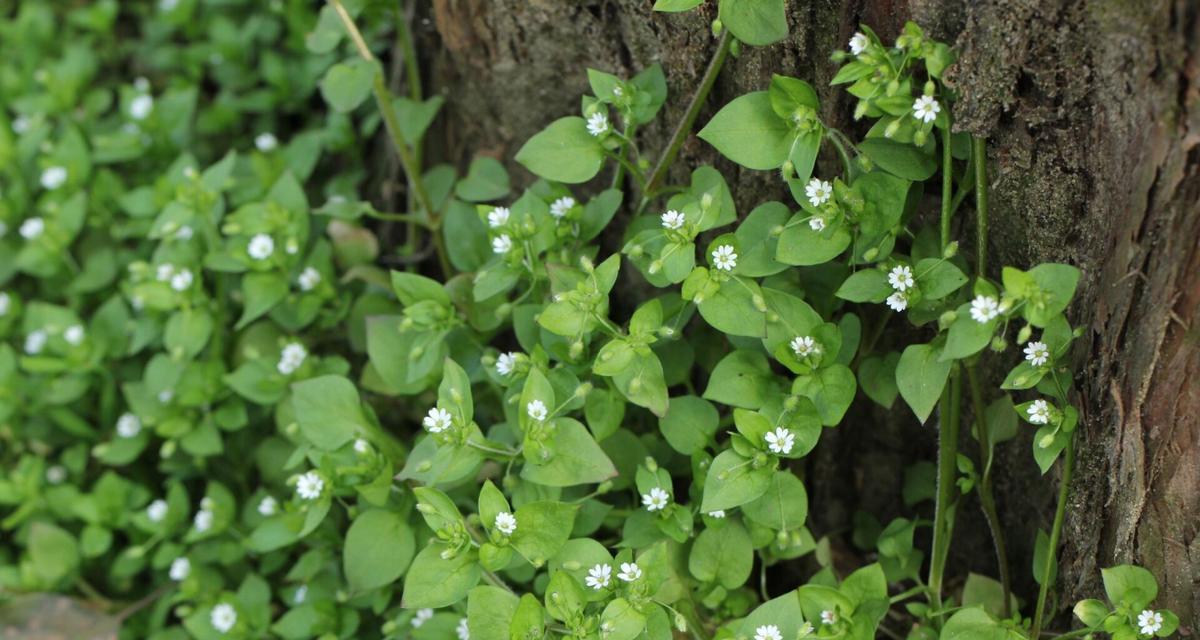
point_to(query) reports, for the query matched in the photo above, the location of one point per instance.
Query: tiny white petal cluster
(828, 617)
(267, 507)
(858, 43)
(462, 630)
(718, 514)
(310, 485)
(73, 335)
(673, 219)
(597, 124)
(502, 244)
(768, 632)
(656, 500)
(53, 178)
(128, 425)
(157, 510)
(926, 109)
(805, 346)
(724, 258)
(223, 617)
(506, 363)
(599, 576)
(32, 228)
(423, 616)
(1149, 622)
(361, 446)
(536, 409)
(184, 233)
(291, 358)
(498, 217)
(141, 106)
(1039, 412)
(437, 420)
(56, 474)
(780, 440)
(309, 279)
(180, 569)
(818, 191)
(182, 280)
(5, 303)
(203, 520)
(1037, 353)
(561, 207)
(35, 342)
(506, 523)
(266, 142)
(21, 124)
(261, 246)
(630, 571)
(984, 308)
(816, 223)
(163, 272)
(300, 595)
(901, 278)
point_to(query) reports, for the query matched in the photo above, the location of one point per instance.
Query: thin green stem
(947, 467)
(947, 187)
(979, 156)
(1060, 512)
(986, 499)
(413, 79)
(689, 115)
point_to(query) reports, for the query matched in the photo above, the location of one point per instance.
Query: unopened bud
(604, 487)
(860, 110)
(781, 539)
(582, 390)
(947, 319)
(680, 622)
(425, 465)
(759, 303)
(636, 251)
(892, 87)
(870, 254)
(706, 201)
(1046, 441)
(919, 137)
(788, 170)
(999, 344)
(951, 250)
(717, 26)
(930, 87)
(504, 310)
(586, 264)
(655, 267)
(1024, 334)
(572, 565)
(651, 464)
(576, 349)
(168, 448)
(891, 129)
(791, 403)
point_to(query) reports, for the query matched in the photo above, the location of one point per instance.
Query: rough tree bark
(1092, 111)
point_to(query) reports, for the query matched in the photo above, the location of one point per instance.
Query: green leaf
(53, 553)
(412, 288)
(732, 310)
(723, 555)
(1042, 553)
(623, 620)
(801, 245)
(542, 529)
(732, 481)
(328, 410)
(379, 546)
(346, 85)
(975, 624)
(434, 582)
(877, 376)
(262, 291)
(967, 336)
(689, 424)
(831, 389)
(414, 117)
(789, 94)
(748, 132)
(899, 159)
(490, 611)
(575, 459)
(920, 376)
(987, 593)
(675, 6)
(563, 152)
(784, 506)
(937, 278)
(741, 379)
(755, 22)
(1055, 286)
(868, 285)
(486, 180)
(1129, 585)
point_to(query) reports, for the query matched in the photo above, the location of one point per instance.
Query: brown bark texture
(1092, 113)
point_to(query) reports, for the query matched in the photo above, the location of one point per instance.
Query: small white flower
(1037, 353)
(498, 217)
(309, 279)
(718, 514)
(816, 223)
(310, 485)
(1149, 622)
(203, 521)
(180, 569)
(141, 106)
(724, 258)
(291, 358)
(506, 523)
(897, 301)
(56, 474)
(73, 335)
(780, 440)
(673, 219)
(128, 425)
(35, 342)
(656, 500)
(21, 124)
(437, 420)
(184, 233)
(5, 303)
(768, 632)
(266, 142)
(828, 617)
(300, 595)
(805, 346)
(926, 109)
(157, 510)
(630, 571)
(165, 396)
(53, 178)
(901, 278)
(858, 43)
(267, 507)
(361, 446)
(599, 576)
(597, 124)
(32, 228)
(502, 244)
(261, 246)
(818, 191)
(561, 207)
(506, 363)
(536, 409)
(984, 308)
(1039, 412)
(182, 280)
(462, 630)
(163, 272)
(422, 616)
(223, 617)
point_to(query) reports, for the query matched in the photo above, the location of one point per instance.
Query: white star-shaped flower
(53, 178)
(561, 207)
(180, 569)
(437, 420)
(157, 510)
(261, 246)
(724, 258)
(1039, 412)
(141, 106)
(182, 280)
(818, 191)
(599, 576)
(536, 409)
(630, 571)
(267, 507)
(462, 630)
(828, 617)
(203, 520)
(597, 124)
(805, 346)
(290, 359)
(897, 301)
(74, 335)
(780, 440)
(498, 217)
(984, 308)
(858, 43)
(128, 425)
(35, 342)
(310, 485)
(673, 219)
(767, 632)
(926, 109)
(502, 244)
(506, 523)
(506, 363)
(422, 616)
(1037, 353)
(32, 228)
(266, 142)
(309, 279)
(223, 617)
(901, 278)
(1149, 622)
(816, 223)
(656, 500)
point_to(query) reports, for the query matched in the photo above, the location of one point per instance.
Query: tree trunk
(1092, 113)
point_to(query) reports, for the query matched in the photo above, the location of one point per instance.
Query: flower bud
(655, 267)
(1024, 334)
(717, 26)
(791, 402)
(860, 110)
(999, 344)
(168, 448)
(583, 390)
(919, 137)
(891, 129)
(951, 250)
(576, 349)
(706, 201)
(586, 264)
(636, 251)
(651, 464)
(892, 87)
(1046, 441)
(504, 310)
(781, 539)
(680, 622)
(788, 170)
(947, 319)
(870, 254)
(758, 302)
(930, 87)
